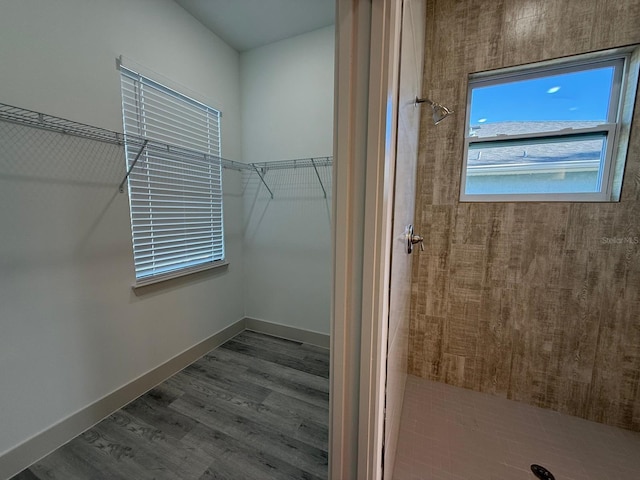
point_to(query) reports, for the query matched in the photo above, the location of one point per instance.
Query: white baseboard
(40, 445)
(285, 331)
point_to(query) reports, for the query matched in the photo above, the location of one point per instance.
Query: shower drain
(542, 473)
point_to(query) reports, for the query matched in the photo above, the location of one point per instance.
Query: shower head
(440, 112)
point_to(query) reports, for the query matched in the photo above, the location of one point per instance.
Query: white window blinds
(175, 188)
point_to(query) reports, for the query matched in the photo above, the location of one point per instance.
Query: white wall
(71, 329)
(287, 113)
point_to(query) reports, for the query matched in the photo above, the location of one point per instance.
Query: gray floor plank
(277, 417)
(298, 408)
(252, 464)
(64, 464)
(260, 434)
(229, 357)
(155, 449)
(164, 393)
(274, 377)
(273, 343)
(136, 462)
(159, 415)
(279, 357)
(93, 455)
(26, 475)
(256, 408)
(201, 386)
(288, 387)
(302, 351)
(223, 378)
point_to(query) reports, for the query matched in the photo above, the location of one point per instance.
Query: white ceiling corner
(247, 24)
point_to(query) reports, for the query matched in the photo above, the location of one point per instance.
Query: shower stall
(523, 331)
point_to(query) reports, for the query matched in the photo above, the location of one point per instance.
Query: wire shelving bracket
(133, 164)
(319, 179)
(261, 175)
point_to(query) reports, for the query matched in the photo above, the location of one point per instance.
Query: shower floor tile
(450, 433)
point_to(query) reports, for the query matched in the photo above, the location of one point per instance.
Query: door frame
(365, 119)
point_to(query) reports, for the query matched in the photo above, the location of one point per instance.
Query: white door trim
(381, 152)
(349, 167)
(367, 59)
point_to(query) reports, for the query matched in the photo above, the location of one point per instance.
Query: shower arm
(423, 100)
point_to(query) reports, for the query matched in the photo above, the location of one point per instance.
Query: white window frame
(610, 172)
(181, 230)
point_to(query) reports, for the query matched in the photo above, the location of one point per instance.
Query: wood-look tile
(523, 38)
(260, 432)
(615, 23)
(298, 408)
(278, 417)
(146, 409)
(556, 285)
(435, 225)
(589, 227)
(164, 394)
(277, 357)
(577, 20)
(26, 475)
(227, 416)
(453, 369)
(113, 457)
(495, 340)
(219, 380)
(239, 460)
(259, 340)
(151, 450)
(480, 22)
(154, 446)
(465, 272)
(70, 464)
(430, 269)
(268, 376)
(426, 336)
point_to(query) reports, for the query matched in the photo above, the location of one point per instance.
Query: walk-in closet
(87, 326)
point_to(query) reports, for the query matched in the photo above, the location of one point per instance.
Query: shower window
(549, 132)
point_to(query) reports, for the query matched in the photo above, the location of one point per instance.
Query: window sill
(169, 278)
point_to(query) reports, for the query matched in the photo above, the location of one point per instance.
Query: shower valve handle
(418, 239)
(412, 239)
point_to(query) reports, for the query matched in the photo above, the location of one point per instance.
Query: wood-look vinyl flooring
(256, 407)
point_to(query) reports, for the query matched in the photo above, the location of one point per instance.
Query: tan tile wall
(524, 300)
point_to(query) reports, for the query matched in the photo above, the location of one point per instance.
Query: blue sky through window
(575, 96)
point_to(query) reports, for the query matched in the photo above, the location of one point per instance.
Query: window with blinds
(175, 188)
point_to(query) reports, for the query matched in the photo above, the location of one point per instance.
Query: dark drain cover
(542, 473)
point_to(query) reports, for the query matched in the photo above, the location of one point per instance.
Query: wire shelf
(30, 118)
(296, 163)
(43, 121)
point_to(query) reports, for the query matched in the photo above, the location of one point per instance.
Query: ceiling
(247, 24)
